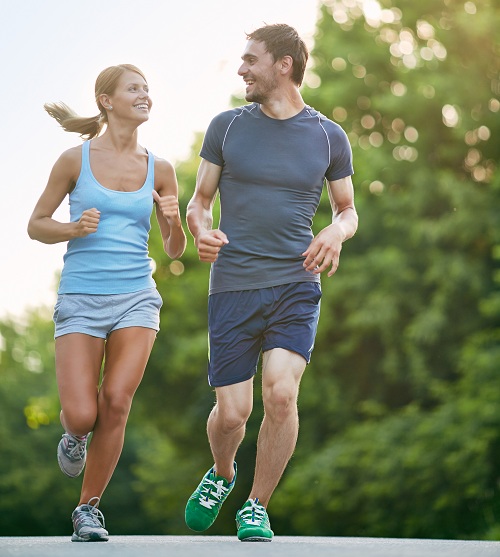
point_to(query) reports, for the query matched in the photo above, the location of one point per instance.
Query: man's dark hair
(282, 40)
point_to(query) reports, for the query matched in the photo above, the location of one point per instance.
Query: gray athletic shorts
(98, 315)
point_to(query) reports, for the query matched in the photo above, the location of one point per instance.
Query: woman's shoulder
(70, 162)
(73, 155)
(165, 176)
(162, 165)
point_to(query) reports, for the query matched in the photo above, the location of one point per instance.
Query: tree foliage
(411, 320)
(400, 406)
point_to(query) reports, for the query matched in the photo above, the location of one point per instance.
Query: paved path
(221, 546)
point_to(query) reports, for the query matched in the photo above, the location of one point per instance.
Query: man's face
(259, 72)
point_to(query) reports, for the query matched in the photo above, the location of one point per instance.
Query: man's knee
(280, 400)
(231, 417)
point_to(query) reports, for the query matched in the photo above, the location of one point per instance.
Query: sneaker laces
(90, 515)
(207, 490)
(253, 513)
(75, 446)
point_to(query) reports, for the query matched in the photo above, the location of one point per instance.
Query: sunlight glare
(450, 116)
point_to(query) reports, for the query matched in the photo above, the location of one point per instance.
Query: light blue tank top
(115, 259)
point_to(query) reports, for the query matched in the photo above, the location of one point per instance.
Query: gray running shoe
(88, 522)
(72, 454)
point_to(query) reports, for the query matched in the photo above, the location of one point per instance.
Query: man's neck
(284, 107)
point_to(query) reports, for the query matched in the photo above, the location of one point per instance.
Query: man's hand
(209, 244)
(324, 250)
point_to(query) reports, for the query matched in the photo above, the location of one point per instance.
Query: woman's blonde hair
(105, 84)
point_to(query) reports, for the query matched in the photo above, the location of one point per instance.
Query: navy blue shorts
(245, 323)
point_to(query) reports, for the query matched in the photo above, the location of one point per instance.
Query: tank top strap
(150, 179)
(86, 156)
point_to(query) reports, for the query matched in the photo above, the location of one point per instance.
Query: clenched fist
(88, 222)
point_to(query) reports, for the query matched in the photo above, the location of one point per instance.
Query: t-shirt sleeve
(211, 149)
(340, 154)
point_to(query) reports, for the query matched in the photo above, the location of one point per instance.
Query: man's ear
(286, 64)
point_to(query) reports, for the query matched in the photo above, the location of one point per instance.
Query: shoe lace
(207, 490)
(75, 447)
(253, 513)
(90, 515)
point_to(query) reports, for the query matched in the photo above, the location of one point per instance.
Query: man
(268, 160)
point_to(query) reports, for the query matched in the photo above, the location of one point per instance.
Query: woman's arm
(166, 196)
(62, 179)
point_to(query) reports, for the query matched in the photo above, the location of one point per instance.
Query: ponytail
(88, 128)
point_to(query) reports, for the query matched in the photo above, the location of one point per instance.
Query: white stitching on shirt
(231, 123)
(318, 115)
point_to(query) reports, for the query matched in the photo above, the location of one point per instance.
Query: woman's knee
(115, 404)
(79, 421)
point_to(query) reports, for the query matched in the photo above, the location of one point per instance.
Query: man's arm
(199, 213)
(324, 250)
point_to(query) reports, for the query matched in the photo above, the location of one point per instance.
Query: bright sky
(53, 50)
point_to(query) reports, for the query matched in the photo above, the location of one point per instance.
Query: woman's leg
(126, 355)
(78, 366)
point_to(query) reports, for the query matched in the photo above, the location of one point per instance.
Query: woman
(107, 311)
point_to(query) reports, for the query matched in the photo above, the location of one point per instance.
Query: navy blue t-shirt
(272, 177)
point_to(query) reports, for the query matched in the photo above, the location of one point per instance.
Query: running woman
(107, 312)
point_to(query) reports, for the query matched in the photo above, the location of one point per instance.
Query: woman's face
(131, 97)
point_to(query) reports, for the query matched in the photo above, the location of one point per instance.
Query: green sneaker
(204, 504)
(253, 523)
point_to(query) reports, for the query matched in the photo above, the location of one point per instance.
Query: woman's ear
(105, 102)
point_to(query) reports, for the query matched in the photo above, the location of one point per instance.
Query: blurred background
(400, 406)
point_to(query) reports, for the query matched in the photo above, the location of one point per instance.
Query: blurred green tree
(402, 445)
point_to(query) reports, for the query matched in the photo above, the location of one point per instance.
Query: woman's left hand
(169, 207)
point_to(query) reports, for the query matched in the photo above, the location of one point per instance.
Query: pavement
(222, 546)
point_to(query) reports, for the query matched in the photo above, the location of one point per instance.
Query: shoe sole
(256, 539)
(91, 538)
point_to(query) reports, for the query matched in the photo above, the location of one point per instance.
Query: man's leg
(281, 374)
(226, 424)
(235, 325)
(226, 429)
